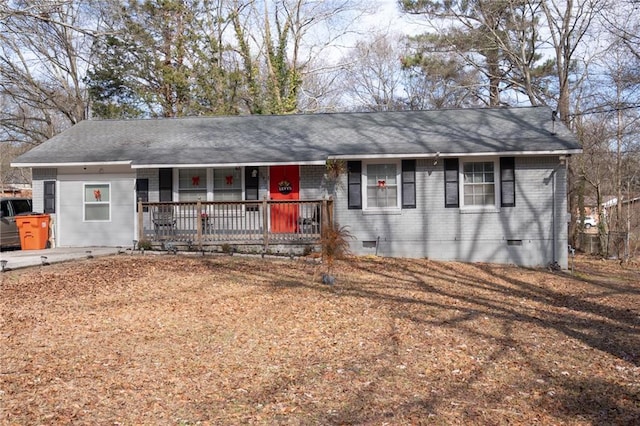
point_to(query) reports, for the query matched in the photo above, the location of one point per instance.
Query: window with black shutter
(507, 182)
(451, 187)
(354, 184)
(165, 184)
(408, 184)
(49, 196)
(142, 192)
(251, 180)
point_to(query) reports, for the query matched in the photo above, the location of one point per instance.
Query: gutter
(455, 155)
(72, 164)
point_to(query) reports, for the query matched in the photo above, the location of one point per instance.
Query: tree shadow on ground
(444, 296)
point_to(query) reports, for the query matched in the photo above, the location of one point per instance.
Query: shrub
(145, 245)
(335, 244)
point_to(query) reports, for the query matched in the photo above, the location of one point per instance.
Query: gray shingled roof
(270, 139)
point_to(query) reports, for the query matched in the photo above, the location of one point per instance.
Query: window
(224, 184)
(481, 182)
(49, 198)
(227, 184)
(381, 186)
(479, 187)
(97, 202)
(385, 187)
(192, 184)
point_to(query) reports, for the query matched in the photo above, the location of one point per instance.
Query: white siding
(39, 176)
(75, 232)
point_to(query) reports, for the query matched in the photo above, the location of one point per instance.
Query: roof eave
(71, 164)
(455, 154)
(238, 164)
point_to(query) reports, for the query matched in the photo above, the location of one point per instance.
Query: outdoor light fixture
(3, 264)
(89, 255)
(135, 242)
(43, 259)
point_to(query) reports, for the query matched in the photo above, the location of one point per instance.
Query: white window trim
(210, 188)
(85, 202)
(210, 192)
(363, 185)
(176, 181)
(496, 183)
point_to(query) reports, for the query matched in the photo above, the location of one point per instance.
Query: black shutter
(507, 182)
(142, 192)
(251, 179)
(408, 184)
(166, 184)
(354, 169)
(451, 187)
(50, 196)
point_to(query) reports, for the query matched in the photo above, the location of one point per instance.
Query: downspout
(554, 219)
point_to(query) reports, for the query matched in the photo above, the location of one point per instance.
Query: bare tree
(568, 23)
(373, 78)
(44, 48)
(279, 40)
(43, 54)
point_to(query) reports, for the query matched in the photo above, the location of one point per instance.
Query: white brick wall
(431, 230)
(37, 186)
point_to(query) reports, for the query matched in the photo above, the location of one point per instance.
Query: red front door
(284, 184)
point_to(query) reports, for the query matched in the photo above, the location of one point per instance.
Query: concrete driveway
(16, 259)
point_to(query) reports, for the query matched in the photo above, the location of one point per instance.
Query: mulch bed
(162, 339)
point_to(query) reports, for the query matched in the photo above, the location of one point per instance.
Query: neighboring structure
(469, 184)
(623, 238)
(15, 190)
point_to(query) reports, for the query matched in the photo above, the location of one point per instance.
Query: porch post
(199, 223)
(140, 220)
(330, 205)
(265, 223)
(326, 215)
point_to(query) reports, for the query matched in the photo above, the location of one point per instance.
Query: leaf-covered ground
(231, 340)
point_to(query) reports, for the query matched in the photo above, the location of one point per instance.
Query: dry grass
(231, 340)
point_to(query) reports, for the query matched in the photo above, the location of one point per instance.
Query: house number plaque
(284, 187)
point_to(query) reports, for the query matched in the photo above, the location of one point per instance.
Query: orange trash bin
(34, 231)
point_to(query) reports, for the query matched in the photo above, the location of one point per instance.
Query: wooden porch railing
(197, 224)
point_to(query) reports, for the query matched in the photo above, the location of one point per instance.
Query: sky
(386, 17)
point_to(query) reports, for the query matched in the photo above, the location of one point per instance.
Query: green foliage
(111, 84)
(161, 59)
(497, 41)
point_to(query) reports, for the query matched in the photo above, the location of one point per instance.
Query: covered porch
(252, 226)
